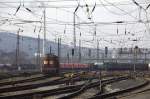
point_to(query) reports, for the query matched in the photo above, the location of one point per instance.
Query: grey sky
(59, 15)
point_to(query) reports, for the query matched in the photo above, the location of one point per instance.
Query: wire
(82, 25)
(113, 11)
(47, 1)
(121, 9)
(66, 6)
(145, 10)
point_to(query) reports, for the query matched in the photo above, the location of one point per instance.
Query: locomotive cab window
(51, 62)
(45, 62)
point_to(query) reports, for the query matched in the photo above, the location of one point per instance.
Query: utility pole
(72, 52)
(89, 55)
(50, 49)
(38, 53)
(97, 50)
(79, 50)
(74, 28)
(100, 81)
(68, 58)
(145, 57)
(106, 52)
(135, 57)
(17, 49)
(59, 47)
(44, 38)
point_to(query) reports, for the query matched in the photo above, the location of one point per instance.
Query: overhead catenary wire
(67, 6)
(145, 10)
(113, 12)
(82, 24)
(125, 12)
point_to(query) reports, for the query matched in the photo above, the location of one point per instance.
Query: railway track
(38, 83)
(7, 75)
(47, 90)
(88, 93)
(31, 88)
(140, 93)
(29, 85)
(57, 89)
(136, 95)
(118, 92)
(77, 94)
(16, 80)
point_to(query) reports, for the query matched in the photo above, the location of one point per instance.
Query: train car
(73, 66)
(114, 66)
(50, 64)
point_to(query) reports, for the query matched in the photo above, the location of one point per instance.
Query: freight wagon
(111, 66)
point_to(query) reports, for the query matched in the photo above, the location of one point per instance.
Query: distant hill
(29, 46)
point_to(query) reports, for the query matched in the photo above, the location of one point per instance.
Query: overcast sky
(59, 21)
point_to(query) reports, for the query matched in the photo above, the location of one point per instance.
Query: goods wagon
(122, 66)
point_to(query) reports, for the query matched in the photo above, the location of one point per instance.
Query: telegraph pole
(68, 58)
(59, 47)
(135, 58)
(50, 49)
(74, 28)
(145, 57)
(38, 52)
(44, 38)
(100, 86)
(79, 50)
(89, 55)
(17, 49)
(97, 50)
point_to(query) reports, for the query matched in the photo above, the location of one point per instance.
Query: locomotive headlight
(149, 66)
(51, 62)
(45, 62)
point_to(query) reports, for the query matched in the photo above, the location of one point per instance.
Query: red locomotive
(50, 64)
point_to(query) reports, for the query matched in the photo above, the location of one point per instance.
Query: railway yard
(75, 49)
(77, 85)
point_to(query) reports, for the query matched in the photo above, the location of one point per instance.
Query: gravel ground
(137, 94)
(122, 85)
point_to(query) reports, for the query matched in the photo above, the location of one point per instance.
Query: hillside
(29, 47)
